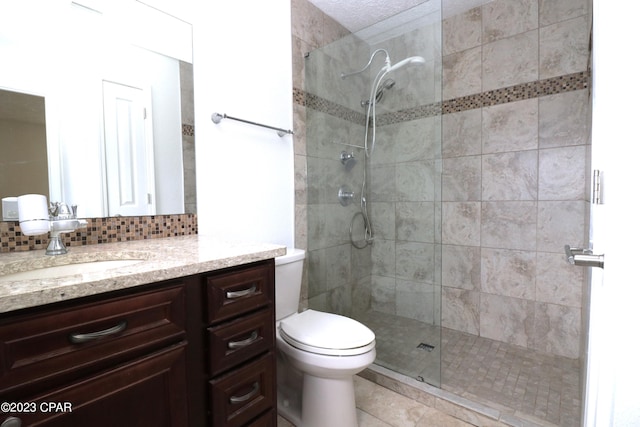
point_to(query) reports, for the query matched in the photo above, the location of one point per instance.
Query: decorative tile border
(324, 105)
(103, 230)
(554, 85)
(188, 130)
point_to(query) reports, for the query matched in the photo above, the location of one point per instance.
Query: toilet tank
(288, 282)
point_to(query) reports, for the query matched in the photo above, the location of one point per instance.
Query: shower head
(412, 60)
(387, 84)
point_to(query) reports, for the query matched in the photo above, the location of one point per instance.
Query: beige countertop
(161, 259)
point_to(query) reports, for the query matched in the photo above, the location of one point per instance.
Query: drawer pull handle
(242, 293)
(232, 345)
(244, 398)
(82, 338)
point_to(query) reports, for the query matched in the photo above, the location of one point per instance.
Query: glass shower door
(390, 282)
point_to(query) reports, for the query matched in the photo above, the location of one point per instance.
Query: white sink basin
(58, 271)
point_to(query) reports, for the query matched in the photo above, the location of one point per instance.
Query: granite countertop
(161, 259)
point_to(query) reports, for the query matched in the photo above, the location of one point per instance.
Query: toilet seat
(327, 334)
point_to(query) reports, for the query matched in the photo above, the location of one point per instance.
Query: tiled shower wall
(515, 172)
(514, 178)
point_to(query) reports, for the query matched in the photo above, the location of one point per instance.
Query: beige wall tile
(509, 272)
(415, 222)
(461, 32)
(553, 11)
(461, 223)
(509, 225)
(461, 310)
(573, 128)
(462, 133)
(510, 176)
(561, 223)
(461, 267)
(462, 179)
(505, 18)
(563, 173)
(462, 73)
(557, 281)
(507, 319)
(557, 329)
(510, 127)
(510, 61)
(564, 47)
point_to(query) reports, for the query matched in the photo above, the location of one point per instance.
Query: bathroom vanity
(184, 337)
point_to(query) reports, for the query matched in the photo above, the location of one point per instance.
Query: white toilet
(318, 354)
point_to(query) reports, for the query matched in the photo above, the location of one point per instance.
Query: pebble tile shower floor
(513, 379)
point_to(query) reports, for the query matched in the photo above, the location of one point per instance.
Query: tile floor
(381, 407)
(514, 380)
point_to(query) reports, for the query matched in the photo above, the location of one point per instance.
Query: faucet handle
(53, 208)
(63, 211)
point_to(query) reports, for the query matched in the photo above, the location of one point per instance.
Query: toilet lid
(327, 333)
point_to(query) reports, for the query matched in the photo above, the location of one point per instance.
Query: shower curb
(467, 410)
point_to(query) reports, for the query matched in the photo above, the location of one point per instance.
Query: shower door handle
(583, 257)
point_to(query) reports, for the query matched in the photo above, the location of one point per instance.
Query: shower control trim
(345, 196)
(346, 157)
(583, 257)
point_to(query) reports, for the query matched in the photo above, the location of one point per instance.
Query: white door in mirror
(129, 150)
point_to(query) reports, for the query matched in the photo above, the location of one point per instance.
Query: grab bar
(217, 118)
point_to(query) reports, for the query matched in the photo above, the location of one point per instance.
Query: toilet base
(328, 402)
(290, 405)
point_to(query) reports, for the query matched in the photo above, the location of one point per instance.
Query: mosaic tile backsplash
(103, 230)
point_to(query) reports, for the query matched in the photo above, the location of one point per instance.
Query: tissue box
(10, 209)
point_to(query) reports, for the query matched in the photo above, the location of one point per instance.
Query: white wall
(242, 67)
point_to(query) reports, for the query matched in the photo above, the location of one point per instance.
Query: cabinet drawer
(237, 292)
(243, 395)
(141, 393)
(270, 419)
(233, 343)
(62, 344)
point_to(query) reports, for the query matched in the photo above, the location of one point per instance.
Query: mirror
(23, 147)
(101, 111)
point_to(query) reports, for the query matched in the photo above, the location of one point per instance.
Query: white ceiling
(356, 15)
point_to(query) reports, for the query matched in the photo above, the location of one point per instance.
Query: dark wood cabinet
(241, 343)
(198, 351)
(148, 391)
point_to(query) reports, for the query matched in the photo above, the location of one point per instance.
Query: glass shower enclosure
(373, 141)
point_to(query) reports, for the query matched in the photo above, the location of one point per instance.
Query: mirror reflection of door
(128, 151)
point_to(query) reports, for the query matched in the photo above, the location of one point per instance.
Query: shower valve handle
(345, 196)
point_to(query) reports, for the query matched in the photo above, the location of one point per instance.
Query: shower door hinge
(596, 198)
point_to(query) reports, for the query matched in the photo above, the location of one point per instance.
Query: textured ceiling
(358, 14)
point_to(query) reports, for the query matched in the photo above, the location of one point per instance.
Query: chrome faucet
(62, 219)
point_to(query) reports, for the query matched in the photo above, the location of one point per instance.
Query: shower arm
(386, 60)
